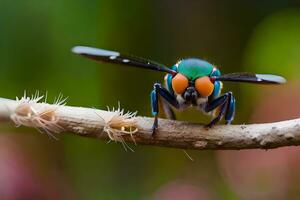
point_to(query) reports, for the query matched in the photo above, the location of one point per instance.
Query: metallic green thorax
(194, 68)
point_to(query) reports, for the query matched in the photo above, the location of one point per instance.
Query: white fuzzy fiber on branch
(126, 127)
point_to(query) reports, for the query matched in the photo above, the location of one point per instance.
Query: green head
(192, 80)
(194, 68)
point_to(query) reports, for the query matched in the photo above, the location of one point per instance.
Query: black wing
(251, 78)
(116, 57)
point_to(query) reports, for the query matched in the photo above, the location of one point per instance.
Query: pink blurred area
(278, 103)
(178, 190)
(261, 174)
(24, 177)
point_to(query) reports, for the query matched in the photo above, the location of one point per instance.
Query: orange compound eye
(204, 86)
(179, 83)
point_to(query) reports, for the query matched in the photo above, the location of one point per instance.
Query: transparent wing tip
(93, 51)
(271, 78)
(79, 49)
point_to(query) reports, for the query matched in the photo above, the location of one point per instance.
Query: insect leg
(230, 110)
(168, 111)
(217, 90)
(166, 95)
(226, 102)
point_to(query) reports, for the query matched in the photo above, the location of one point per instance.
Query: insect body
(190, 82)
(193, 85)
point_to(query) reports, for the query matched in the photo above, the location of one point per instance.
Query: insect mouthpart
(190, 94)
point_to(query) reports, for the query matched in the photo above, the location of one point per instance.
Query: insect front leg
(227, 108)
(166, 95)
(168, 110)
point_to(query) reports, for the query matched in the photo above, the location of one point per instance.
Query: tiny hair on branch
(117, 125)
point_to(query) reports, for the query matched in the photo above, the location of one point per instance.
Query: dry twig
(115, 125)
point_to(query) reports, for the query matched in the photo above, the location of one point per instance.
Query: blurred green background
(35, 41)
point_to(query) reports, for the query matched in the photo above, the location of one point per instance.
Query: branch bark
(88, 122)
